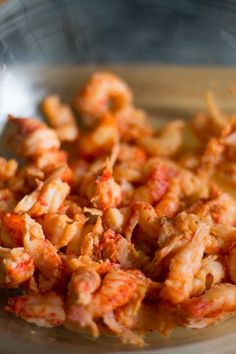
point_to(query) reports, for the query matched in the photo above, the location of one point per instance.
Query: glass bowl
(169, 52)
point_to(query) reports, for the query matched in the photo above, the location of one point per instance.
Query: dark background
(119, 31)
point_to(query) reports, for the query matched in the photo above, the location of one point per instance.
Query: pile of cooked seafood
(118, 226)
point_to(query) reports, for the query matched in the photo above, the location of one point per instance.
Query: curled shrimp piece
(16, 267)
(101, 139)
(143, 214)
(78, 168)
(131, 153)
(43, 253)
(117, 290)
(218, 300)
(201, 126)
(133, 124)
(12, 230)
(157, 184)
(109, 245)
(47, 198)
(7, 169)
(206, 126)
(7, 201)
(103, 92)
(43, 310)
(212, 272)
(113, 219)
(221, 210)
(227, 171)
(51, 160)
(167, 144)
(210, 158)
(174, 234)
(189, 160)
(127, 191)
(124, 333)
(32, 137)
(148, 219)
(83, 283)
(26, 179)
(59, 229)
(61, 118)
(74, 211)
(128, 171)
(221, 239)
(170, 202)
(83, 241)
(104, 192)
(192, 185)
(62, 173)
(183, 266)
(126, 315)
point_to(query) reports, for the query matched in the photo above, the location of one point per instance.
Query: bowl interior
(165, 92)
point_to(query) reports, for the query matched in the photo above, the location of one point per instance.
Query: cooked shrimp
(109, 245)
(227, 171)
(131, 153)
(12, 230)
(193, 186)
(189, 160)
(32, 137)
(174, 234)
(222, 209)
(16, 267)
(7, 169)
(26, 179)
(43, 310)
(170, 202)
(60, 229)
(61, 118)
(62, 173)
(125, 334)
(84, 240)
(43, 253)
(156, 186)
(221, 239)
(133, 124)
(113, 219)
(104, 192)
(129, 171)
(212, 124)
(84, 282)
(167, 144)
(117, 290)
(219, 299)
(78, 168)
(103, 92)
(212, 272)
(210, 158)
(143, 214)
(101, 139)
(47, 198)
(126, 314)
(7, 201)
(183, 266)
(51, 160)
